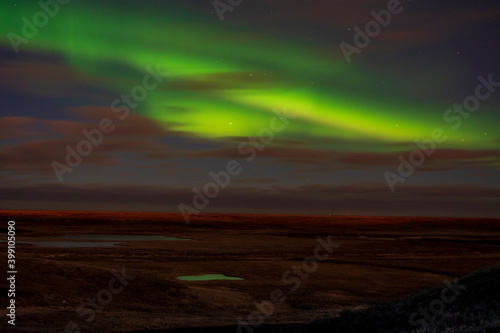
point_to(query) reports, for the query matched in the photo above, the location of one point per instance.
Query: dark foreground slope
(475, 309)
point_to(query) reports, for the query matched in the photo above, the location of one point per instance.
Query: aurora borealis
(224, 82)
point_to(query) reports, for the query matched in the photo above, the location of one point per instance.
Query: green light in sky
(225, 80)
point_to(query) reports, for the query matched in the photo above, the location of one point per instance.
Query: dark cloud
(440, 159)
(354, 199)
(37, 149)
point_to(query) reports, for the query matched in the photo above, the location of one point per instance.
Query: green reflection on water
(207, 277)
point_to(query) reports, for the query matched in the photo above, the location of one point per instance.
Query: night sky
(172, 96)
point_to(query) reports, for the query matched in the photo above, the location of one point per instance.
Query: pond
(207, 277)
(123, 237)
(72, 244)
(104, 240)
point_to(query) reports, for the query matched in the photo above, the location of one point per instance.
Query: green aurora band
(225, 80)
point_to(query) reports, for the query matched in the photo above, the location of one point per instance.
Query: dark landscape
(375, 262)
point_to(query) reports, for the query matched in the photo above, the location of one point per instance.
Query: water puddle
(102, 240)
(123, 237)
(72, 244)
(207, 277)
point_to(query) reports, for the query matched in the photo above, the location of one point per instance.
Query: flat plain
(378, 259)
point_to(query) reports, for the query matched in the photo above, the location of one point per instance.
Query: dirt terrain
(314, 265)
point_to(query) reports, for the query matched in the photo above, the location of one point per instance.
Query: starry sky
(154, 99)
